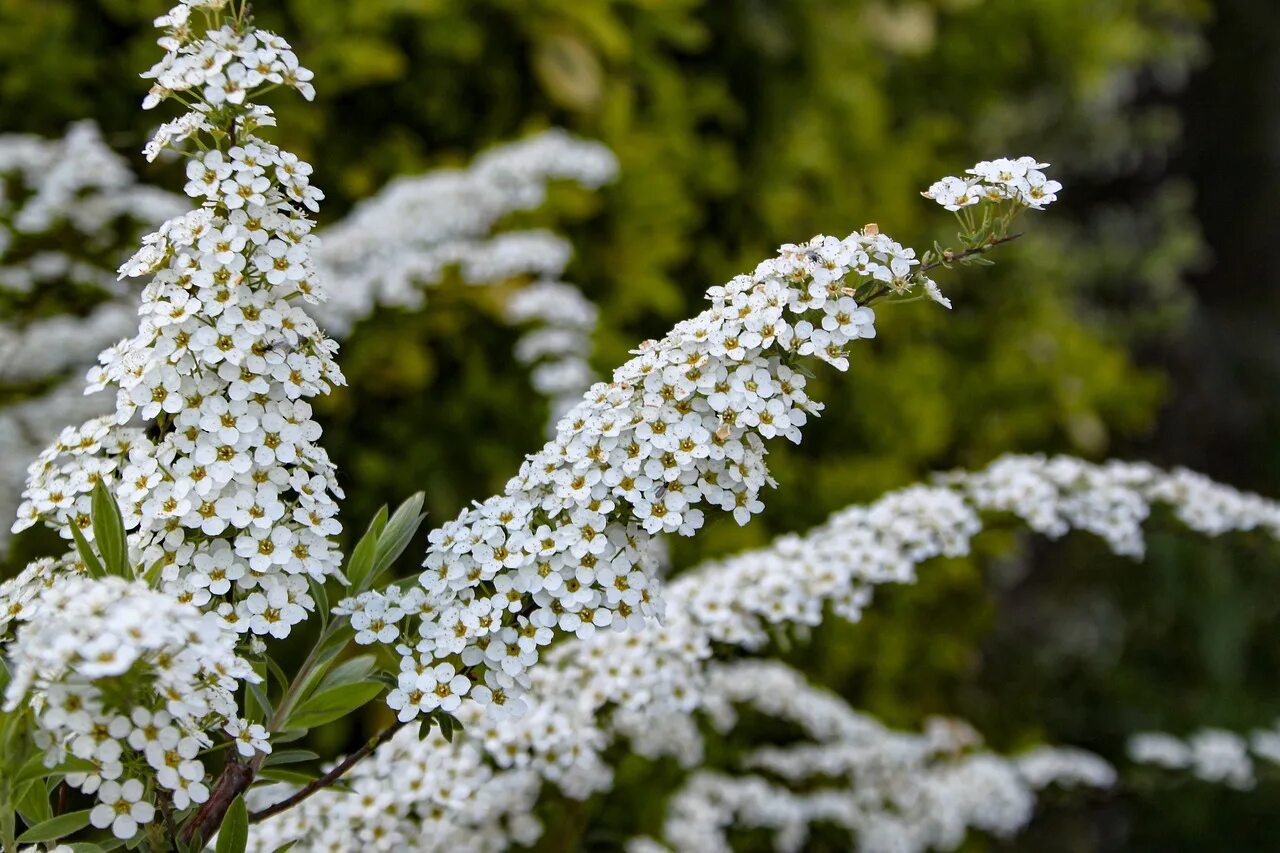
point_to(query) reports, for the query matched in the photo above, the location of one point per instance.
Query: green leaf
(360, 563)
(327, 651)
(91, 561)
(33, 803)
(329, 705)
(108, 531)
(289, 777)
(446, 727)
(398, 534)
(233, 836)
(379, 522)
(286, 846)
(322, 601)
(55, 828)
(34, 769)
(298, 779)
(287, 736)
(276, 672)
(259, 696)
(152, 575)
(348, 672)
(289, 756)
(8, 817)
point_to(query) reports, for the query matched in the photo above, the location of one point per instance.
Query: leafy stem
(331, 777)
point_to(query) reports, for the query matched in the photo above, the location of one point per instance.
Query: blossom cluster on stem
(1214, 755)
(65, 206)
(405, 238)
(649, 688)
(226, 498)
(679, 431)
(129, 681)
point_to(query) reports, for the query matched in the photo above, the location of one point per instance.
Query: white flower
(250, 738)
(953, 193)
(121, 808)
(443, 687)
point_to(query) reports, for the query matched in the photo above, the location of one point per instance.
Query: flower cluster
(1217, 756)
(444, 797)
(679, 429)
(127, 679)
(226, 500)
(418, 230)
(404, 238)
(229, 489)
(77, 194)
(1019, 180)
(650, 687)
(560, 322)
(219, 67)
(898, 791)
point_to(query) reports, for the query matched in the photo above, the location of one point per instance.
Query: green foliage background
(740, 125)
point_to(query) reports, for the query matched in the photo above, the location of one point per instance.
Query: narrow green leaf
(328, 652)
(259, 697)
(55, 828)
(329, 705)
(233, 835)
(379, 522)
(8, 817)
(298, 779)
(288, 845)
(35, 769)
(398, 534)
(85, 550)
(289, 777)
(322, 601)
(108, 531)
(348, 672)
(287, 736)
(274, 670)
(360, 563)
(33, 803)
(289, 756)
(152, 575)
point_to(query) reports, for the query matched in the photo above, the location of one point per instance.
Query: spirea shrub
(143, 703)
(409, 237)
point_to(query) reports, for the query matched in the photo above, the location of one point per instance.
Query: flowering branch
(649, 687)
(679, 431)
(330, 777)
(949, 257)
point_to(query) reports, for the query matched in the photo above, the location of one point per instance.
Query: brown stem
(882, 290)
(329, 778)
(967, 253)
(233, 782)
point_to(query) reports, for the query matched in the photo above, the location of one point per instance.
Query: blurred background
(1136, 320)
